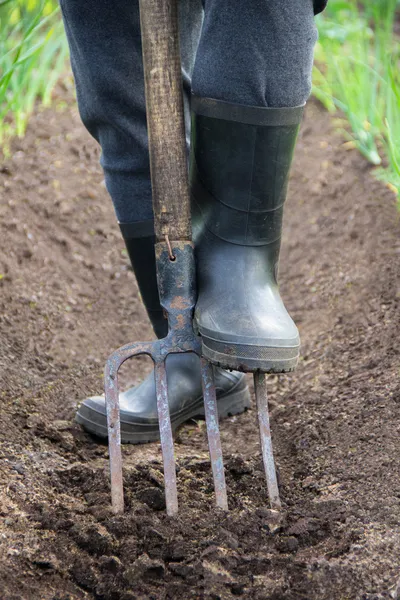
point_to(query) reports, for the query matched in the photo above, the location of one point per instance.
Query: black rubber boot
(240, 162)
(138, 405)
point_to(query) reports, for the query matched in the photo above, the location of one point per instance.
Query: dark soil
(67, 298)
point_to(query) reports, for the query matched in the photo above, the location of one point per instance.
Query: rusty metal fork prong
(214, 439)
(114, 361)
(114, 435)
(167, 440)
(260, 385)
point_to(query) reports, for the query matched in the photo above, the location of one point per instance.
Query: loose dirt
(67, 298)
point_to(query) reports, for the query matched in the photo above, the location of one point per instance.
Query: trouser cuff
(137, 229)
(249, 115)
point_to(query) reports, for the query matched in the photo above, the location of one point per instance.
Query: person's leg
(258, 53)
(251, 77)
(105, 45)
(106, 58)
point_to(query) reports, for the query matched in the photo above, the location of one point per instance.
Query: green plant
(393, 123)
(391, 133)
(354, 73)
(33, 52)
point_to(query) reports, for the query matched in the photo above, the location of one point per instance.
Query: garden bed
(67, 299)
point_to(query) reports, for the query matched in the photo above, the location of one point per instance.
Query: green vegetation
(33, 51)
(357, 72)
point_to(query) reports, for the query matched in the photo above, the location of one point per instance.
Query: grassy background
(356, 72)
(33, 54)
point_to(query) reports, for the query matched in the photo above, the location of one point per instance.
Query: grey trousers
(254, 52)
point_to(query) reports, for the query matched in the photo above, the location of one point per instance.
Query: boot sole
(241, 357)
(232, 403)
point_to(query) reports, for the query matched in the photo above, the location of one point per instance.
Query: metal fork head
(176, 282)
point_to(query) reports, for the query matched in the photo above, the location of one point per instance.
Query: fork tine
(114, 435)
(214, 440)
(167, 442)
(260, 384)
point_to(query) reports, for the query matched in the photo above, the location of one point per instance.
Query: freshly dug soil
(67, 298)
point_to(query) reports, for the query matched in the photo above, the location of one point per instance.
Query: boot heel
(246, 358)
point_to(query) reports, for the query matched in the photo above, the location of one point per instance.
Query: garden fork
(175, 268)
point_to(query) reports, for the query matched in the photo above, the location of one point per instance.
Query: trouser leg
(257, 52)
(106, 58)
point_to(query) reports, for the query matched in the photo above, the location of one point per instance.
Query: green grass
(33, 53)
(356, 72)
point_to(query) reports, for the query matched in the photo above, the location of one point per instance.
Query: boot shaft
(240, 163)
(139, 239)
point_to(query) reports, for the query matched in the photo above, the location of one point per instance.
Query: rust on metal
(113, 417)
(176, 281)
(171, 256)
(260, 385)
(179, 303)
(114, 437)
(214, 440)
(167, 442)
